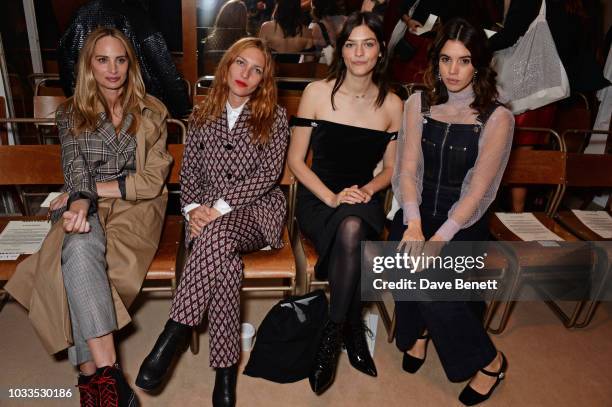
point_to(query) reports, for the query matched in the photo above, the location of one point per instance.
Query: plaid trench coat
(223, 164)
(132, 226)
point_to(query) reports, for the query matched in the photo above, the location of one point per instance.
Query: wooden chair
(573, 113)
(45, 108)
(46, 84)
(270, 265)
(3, 132)
(182, 129)
(536, 167)
(41, 165)
(590, 171)
(307, 257)
(20, 196)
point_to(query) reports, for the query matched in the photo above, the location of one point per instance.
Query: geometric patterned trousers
(212, 279)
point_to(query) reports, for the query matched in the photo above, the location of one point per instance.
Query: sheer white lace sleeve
(482, 181)
(407, 178)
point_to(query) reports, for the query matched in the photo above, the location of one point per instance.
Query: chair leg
(508, 307)
(568, 321)
(195, 342)
(391, 335)
(386, 319)
(589, 315)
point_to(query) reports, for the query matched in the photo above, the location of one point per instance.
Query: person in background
(230, 26)
(286, 33)
(159, 73)
(327, 23)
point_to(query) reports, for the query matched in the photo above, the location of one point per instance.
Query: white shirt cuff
(222, 206)
(188, 209)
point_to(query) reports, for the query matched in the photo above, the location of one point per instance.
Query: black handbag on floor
(288, 339)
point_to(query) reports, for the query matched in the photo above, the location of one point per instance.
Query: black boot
(88, 391)
(113, 390)
(172, 341)
(357, 346)
(224, 393)
(324, 369)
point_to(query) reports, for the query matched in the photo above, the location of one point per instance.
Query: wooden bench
(40, 165)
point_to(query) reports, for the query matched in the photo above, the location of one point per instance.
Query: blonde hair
(262, 102)
(82, 105)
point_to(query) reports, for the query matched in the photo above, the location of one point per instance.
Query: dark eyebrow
(367, 39)
(463, 56)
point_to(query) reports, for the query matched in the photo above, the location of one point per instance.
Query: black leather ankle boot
(354, 334)
(224, 393)
(324, 368)
(172, 341)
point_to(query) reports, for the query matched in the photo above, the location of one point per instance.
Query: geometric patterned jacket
(223, 164)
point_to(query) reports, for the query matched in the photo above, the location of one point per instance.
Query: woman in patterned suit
(231, 166)
(115, 163)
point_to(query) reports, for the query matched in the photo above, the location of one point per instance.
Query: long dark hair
(458, 29)
(323, 8)
(338, 70)
(288, 15)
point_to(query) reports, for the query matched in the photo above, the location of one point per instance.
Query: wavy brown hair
(262, 102)
(484, 85)
(82, 105)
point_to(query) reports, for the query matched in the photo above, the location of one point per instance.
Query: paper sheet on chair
(8, 256)
(431, 20)
(526, 226)
(49, 198)
(598, 221)
(23, 237)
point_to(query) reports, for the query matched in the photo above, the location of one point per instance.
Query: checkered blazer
(104, 155)
(223, 164)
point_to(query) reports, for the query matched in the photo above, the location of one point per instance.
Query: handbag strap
(413, 8)
(324, 32)
(542, 14)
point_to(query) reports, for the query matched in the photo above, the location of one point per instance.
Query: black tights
(344, 269)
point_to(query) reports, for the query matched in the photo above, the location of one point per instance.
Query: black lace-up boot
(324, 369)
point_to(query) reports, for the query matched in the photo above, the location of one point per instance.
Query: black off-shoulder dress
(342, 156)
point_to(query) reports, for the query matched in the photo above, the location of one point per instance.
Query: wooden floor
(548, 366)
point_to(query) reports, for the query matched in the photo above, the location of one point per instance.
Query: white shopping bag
(530, 73)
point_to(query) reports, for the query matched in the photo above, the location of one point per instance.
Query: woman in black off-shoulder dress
(349, 121)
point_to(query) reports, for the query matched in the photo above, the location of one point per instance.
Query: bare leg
(88, 368)
(483, 383)
(419, 348)
(102, 350)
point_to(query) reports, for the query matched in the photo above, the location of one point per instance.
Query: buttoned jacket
(219, 163)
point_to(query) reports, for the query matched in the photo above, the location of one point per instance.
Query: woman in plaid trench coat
(229, 192)
(115, 164)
